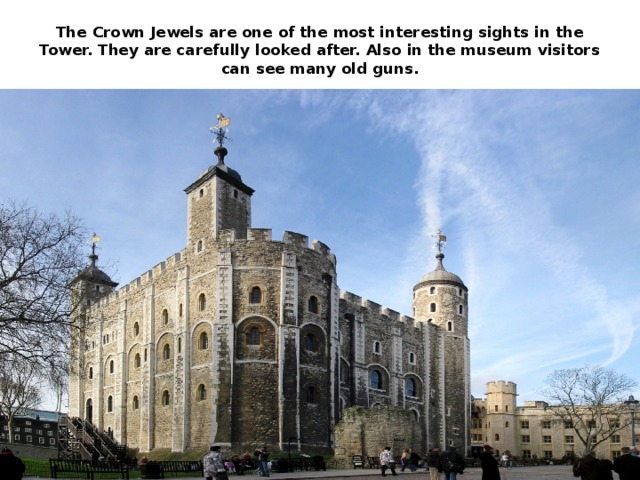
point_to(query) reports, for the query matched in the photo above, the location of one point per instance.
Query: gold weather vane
(219, 129)
(441, 240)
(95, 239)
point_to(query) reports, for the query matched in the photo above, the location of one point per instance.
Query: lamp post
(632, 403)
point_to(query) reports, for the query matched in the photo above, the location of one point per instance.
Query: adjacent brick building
(243, 340)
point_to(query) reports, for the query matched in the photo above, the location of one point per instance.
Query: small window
(255, 296)
(180, 310)
(432, 290)
(313, 304)
(203, 341)
(253, 336)
(450, 326)
(432, 307)
(179, 345)
(201, 192)
(202, 392)
(136, 403)
(311, 395)
(110, 404)
(202, 302)
(412, 358)
(377, 347)
(410, 387)
(199, 247)
(460, 309)
(165, 316)
(376, 380)
(136, 361)
(90, 372)
(165, 398)
(506, 424)
(166, 351)
(310, 343)
(111, 366)
(497, 437)
(136, 328)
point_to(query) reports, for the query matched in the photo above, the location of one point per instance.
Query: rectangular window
(27, 430)
(615, 453)
(568, 424)
(615, 438)
(39, 432)
(548, 454)
(29, 439)
(16, 438)
(526, 439)
(546, 439)
(27, 422)
(568, 439)
(50, 433)
(526, 453)
(52, 441)
(546, 424)
(46, 425)
(524, 424)
(41, 440)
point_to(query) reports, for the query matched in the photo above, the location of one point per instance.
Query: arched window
(136, 361)
(310, 342)
(90, 372)
(377, 348)
(460, 310)
(311, 395)
(412, 358)
(110, 404)
(202, 392)
(432, 290)
(111, 366)
(410, 387)
(432, 307)
(376, 380)
(136, 403)
(165, 398)
(199, 247)
(165, 316)
(450, 326)
(166, 351)
(203, 341)
(313, 304)
(202, 302)
(497, 437)
(255, 296)
(136, 328)
(253, 336)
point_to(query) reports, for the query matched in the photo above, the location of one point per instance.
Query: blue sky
(537, 192)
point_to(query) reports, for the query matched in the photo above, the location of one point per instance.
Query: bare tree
(590, 401)
(19, 388)
(39, 257)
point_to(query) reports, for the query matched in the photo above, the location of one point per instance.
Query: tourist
(627, 465)
(433, 462)
(12, 467)
(263, 461)
(452, 464)
(489, 464)
(413, 460)
(387, 461)
(213, 466)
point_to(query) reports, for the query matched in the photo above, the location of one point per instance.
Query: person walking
(489, 464)
(12, 467)
(387, 461)
(434, 464)
(627, 465)
(263, 461)
(212, 464)
(452, 464)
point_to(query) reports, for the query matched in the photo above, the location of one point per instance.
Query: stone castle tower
(501, 416)
(244, 341)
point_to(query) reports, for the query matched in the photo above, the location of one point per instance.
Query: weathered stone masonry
(242, 340)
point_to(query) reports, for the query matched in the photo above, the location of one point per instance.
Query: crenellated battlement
(376, 309)
(500, 386)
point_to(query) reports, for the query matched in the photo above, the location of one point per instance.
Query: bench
(174, 467)
(373, 462)
(87, 468)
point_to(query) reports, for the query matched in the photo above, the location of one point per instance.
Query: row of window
(377, 349)
(376, 383)
(201, 394)
(29, 439)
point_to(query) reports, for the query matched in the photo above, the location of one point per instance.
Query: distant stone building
(243, 341)
(530, 430)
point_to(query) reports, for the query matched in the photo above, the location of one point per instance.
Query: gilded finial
(441, 240)
(219, 130)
